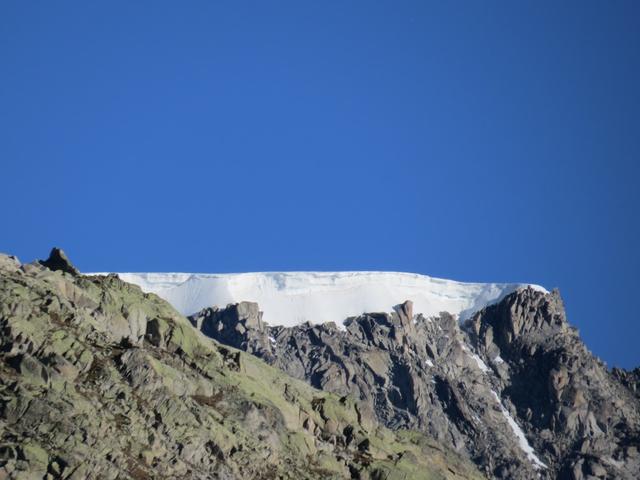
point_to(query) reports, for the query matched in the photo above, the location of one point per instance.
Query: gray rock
(238, 325)
(518, 359)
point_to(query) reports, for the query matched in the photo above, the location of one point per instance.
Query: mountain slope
(99, 380)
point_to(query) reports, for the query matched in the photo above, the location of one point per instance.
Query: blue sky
(480, 141)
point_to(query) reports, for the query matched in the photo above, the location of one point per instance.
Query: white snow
(481, 365)
(522, 439)
(290, 298)
(498, 360)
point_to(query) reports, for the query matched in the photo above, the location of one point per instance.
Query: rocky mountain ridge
(513, 389)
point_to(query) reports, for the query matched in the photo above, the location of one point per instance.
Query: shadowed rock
(58, 261)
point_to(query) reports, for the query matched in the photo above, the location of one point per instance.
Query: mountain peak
(58, 260)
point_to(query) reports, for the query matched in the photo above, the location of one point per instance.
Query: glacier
(291, 298)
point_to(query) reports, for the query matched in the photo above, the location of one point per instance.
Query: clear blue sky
(480, 141)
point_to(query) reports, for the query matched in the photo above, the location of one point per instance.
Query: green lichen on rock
(100, 380)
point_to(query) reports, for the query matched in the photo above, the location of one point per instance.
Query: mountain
(100, 380)
(494, 372)
(365, 375)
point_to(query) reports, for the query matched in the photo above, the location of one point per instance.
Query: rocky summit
(102, 380)
(99, 380)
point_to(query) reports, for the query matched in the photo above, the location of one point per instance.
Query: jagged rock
(631, 379)
(405, 312)
(558, 386)
(58, 261)
(514, 389)
(238, 325)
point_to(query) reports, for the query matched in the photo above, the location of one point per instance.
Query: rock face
(239, 325)
(567, 400)
(99, 380)
(513, 389)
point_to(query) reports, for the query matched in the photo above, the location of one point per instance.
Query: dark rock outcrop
(631, 379)
(239, 325)
(58, 261)
(568, 402)
(514, 389)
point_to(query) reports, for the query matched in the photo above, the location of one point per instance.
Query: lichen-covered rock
(99, 380)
